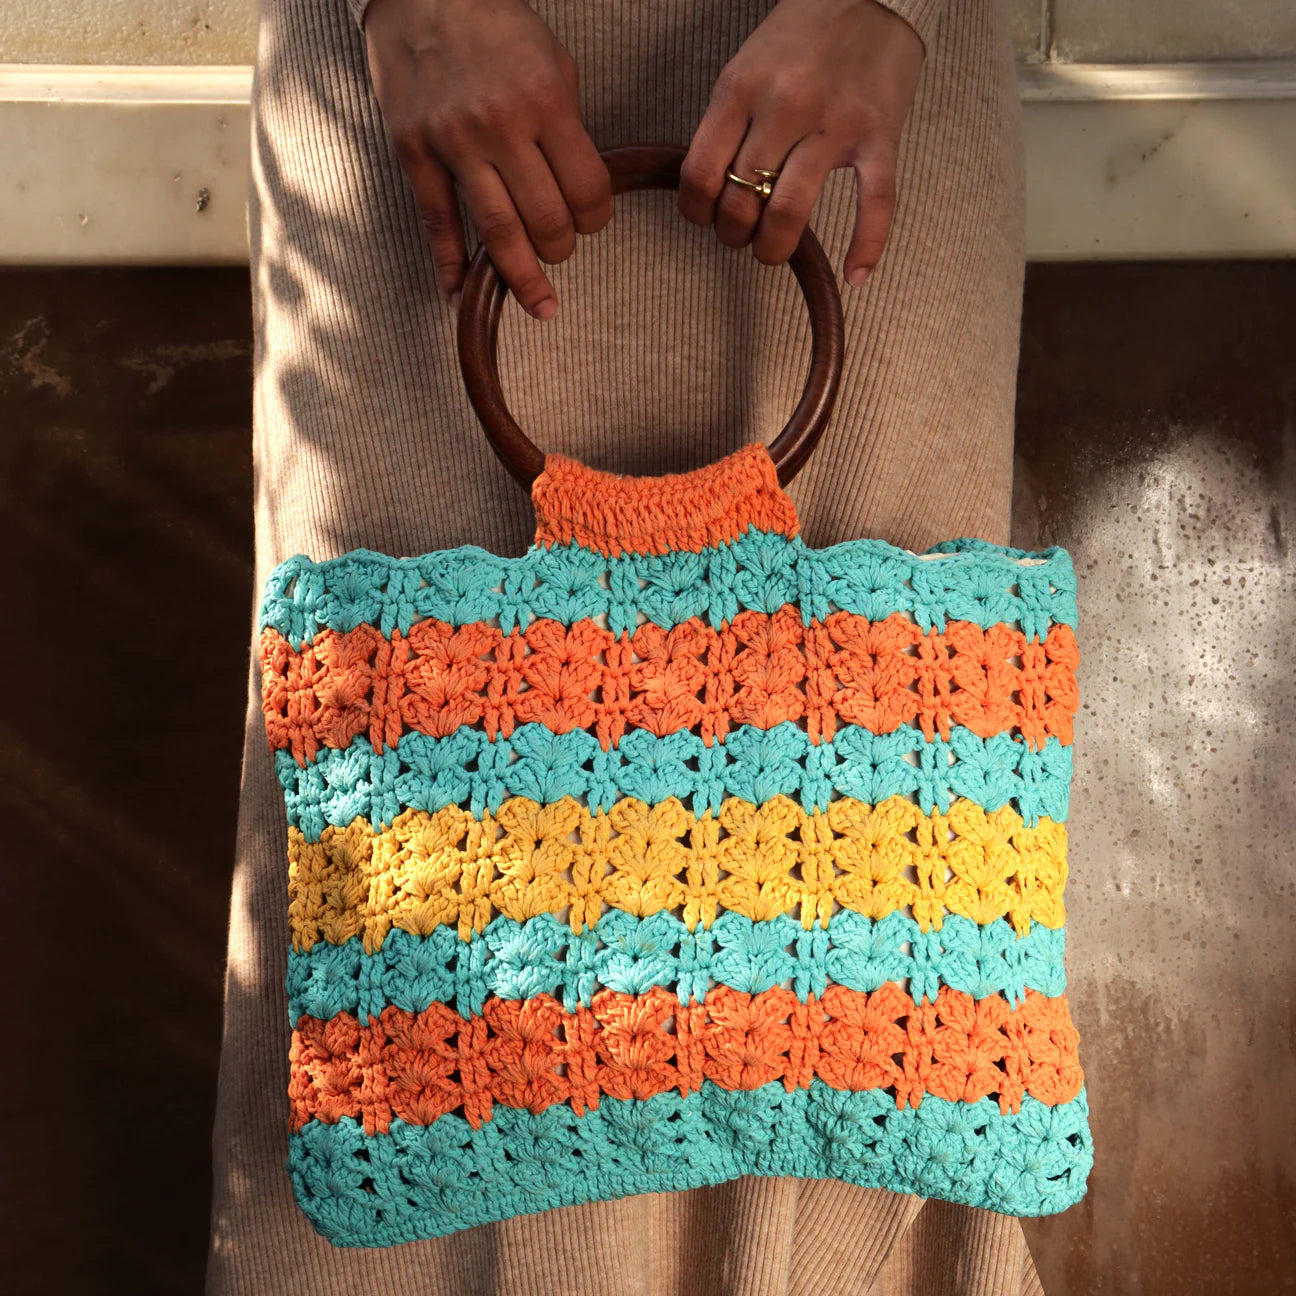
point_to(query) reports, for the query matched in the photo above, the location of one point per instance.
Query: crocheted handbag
(673, 850)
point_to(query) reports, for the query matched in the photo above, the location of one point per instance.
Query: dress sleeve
(921, 15)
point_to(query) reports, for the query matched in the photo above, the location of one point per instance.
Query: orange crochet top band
(614, 514)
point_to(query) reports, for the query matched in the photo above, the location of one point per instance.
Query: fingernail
(858, 275)
(455, 298)
(546, 309)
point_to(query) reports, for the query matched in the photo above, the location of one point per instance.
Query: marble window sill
(149, 165)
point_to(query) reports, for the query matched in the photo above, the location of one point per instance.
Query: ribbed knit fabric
(668, 352)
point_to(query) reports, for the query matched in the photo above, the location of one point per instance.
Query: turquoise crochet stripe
(517, 960)
(760, 571)
(467, 769)
(426, 1181)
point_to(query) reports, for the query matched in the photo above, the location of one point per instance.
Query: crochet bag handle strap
(650, 166)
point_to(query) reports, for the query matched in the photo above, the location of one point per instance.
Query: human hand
(481, 94)
(820, 84)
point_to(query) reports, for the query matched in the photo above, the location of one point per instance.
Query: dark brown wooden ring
(650, 166)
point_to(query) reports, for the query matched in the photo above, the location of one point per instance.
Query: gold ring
(766, 186)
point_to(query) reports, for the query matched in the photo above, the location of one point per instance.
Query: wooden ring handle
(650, 166)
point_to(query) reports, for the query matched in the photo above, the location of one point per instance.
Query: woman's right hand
(480, 93)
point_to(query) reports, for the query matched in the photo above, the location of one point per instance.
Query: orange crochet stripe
(759, 670)
(531, 1054)
(658, 515)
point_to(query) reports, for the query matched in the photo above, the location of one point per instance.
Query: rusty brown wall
(125, 491)
(1157, 440)
(1157, 408)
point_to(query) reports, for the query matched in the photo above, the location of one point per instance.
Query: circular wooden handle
(650, 166)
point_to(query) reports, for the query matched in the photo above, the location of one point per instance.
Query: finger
(718, 137)
(874, 209)
(506, 240)
(786, 211)
(581, 174)
(539, 201)
(767, 144)
(438, 206)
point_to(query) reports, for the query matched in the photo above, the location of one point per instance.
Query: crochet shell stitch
(671, 851)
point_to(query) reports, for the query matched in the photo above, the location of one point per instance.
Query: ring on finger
(764, 188)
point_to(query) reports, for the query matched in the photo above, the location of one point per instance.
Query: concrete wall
(1153, 31)
(127, 31)
(1167, 31)
(222, 31)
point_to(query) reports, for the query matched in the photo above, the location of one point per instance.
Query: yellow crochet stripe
(528, 859)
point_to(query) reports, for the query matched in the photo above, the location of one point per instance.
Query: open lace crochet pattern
(672, 851)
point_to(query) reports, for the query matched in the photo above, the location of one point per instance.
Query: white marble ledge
(1126, 82)
(149, 165)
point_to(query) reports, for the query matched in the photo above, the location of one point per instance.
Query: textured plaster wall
(1027, 27)
(1156, 439)
(1152, 31)
(1168, 31)
(222, 31)
(128, 31)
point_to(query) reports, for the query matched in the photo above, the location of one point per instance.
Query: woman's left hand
(820, 84)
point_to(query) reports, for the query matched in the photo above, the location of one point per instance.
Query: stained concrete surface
(1157, 407)
(1157, 441)
(194, 32)
(125, 490)
(1161, 31)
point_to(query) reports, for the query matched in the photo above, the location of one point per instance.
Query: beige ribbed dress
(669, 350)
